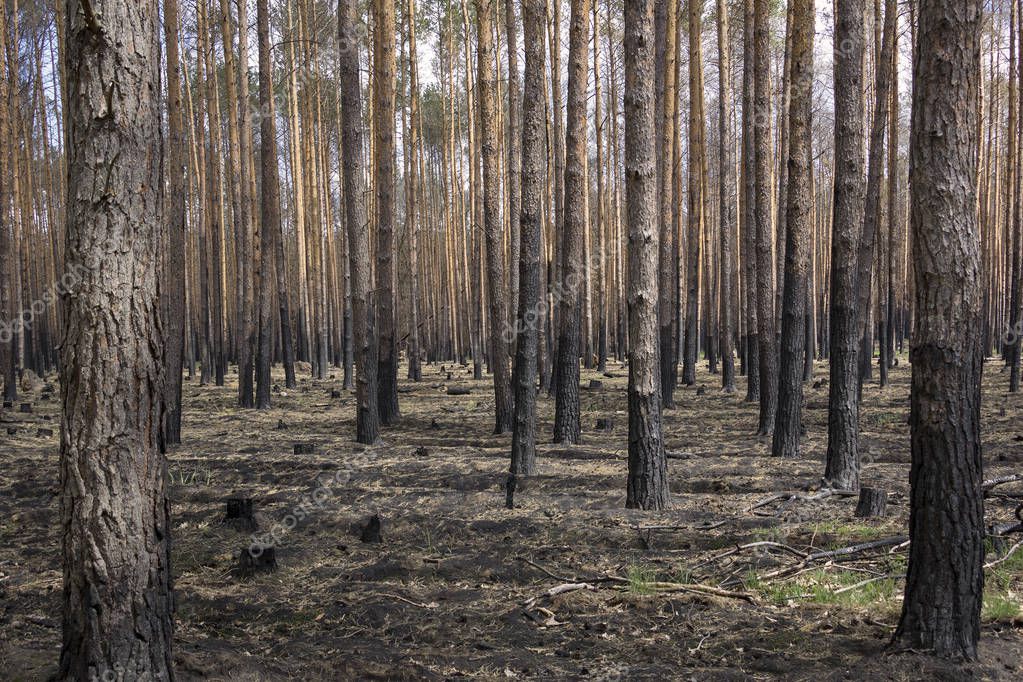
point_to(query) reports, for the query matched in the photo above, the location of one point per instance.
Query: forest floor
(457, 588)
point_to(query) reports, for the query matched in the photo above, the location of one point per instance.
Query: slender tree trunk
(412, 215)
(8, 258)
(727, 197)
(945, 580)
(383, 171)
(667, 276)
(174, 287)
(765, 262)
(513, 141)
(573, 256)
(648, 477)
(115, 516)
(751, 353)
(799, 219)
(534, 158)
(367, 415)
(843, 468)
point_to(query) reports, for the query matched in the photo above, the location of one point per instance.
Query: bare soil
(456, 589)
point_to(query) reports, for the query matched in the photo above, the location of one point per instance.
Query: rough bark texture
(768, 360)
(667, 275)
(8, 357)
(751, 353)
(115, 529)
(843, 469)
(799, 220)
(648, 477)
(534, 163)
(174, 284)
(367, 415)
(945, 579)
(697, 189)
(514, 149)
(573, 266)
(492, 224)
(270, 210)
(727, 197)
(383, 172)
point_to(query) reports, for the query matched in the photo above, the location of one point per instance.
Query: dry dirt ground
(457, 588)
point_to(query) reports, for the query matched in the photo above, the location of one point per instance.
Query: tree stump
(596, 385)
(701, 390)
(335, 394)
(256, 559)
(44, 433)
(8, 405)
(873, 502)
(12, 430)
(281, 426)
(605, 424)
(305, 448)
(371, 533)
(459, 390)
(25, 408)
(422, 451)
(240, 513)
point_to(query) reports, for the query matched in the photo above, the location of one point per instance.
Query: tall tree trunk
(513, 142)
(8, 258)
(751, 354)
(875, 172)
(412, 209)
(727, 197)
(799, 219)
(843, 468)
(174, 287)
(945, 580)
(528, 319)
(367, 416)
(648, 477)
(496, 291)
(667, 277)
(573, 266)
(697, 192)
(270, 216)
(115, 516)
(762, 170)
(383, 172)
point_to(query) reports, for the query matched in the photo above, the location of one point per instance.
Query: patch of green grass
(999, 608)
(640, 580)
(846, 533)
(822, 587)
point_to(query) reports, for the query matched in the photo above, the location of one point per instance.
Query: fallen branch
(559, 589)
(1005, 556)
(802, 497)
(1000, 480)
(862, 583)
(697, 588)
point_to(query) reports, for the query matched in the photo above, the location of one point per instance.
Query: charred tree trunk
(727, 197)
(573, 266)
(534, 158)
(648, 477)
(367, 416)
(496, 292)
(270, 210)
(115, 516)
(843, 468)
(945, 580)
(799, 219)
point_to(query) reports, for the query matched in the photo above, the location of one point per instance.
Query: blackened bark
(751, 353)
(945, 579)
(842, 468)
(573, 266)
(696, 195)
(492, 224)
(727, 197)
(648, 478)
(270, 210)
(799, 219)
(768, 359)
(528, 319)
(367, 415)
(115, 516)
(174, 291)
(667, 125)
(383, 170)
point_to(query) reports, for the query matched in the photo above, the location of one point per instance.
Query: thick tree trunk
(799, 223)
(945, 580)
(270, 210)
(648, 477)
(496, 291)
(115, 516)
(573, 266)
(534, 157)
(843, 469)
(367, 416)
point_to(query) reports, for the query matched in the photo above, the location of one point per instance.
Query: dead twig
(1005, 556)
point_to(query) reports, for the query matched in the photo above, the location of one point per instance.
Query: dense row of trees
(347, 210)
